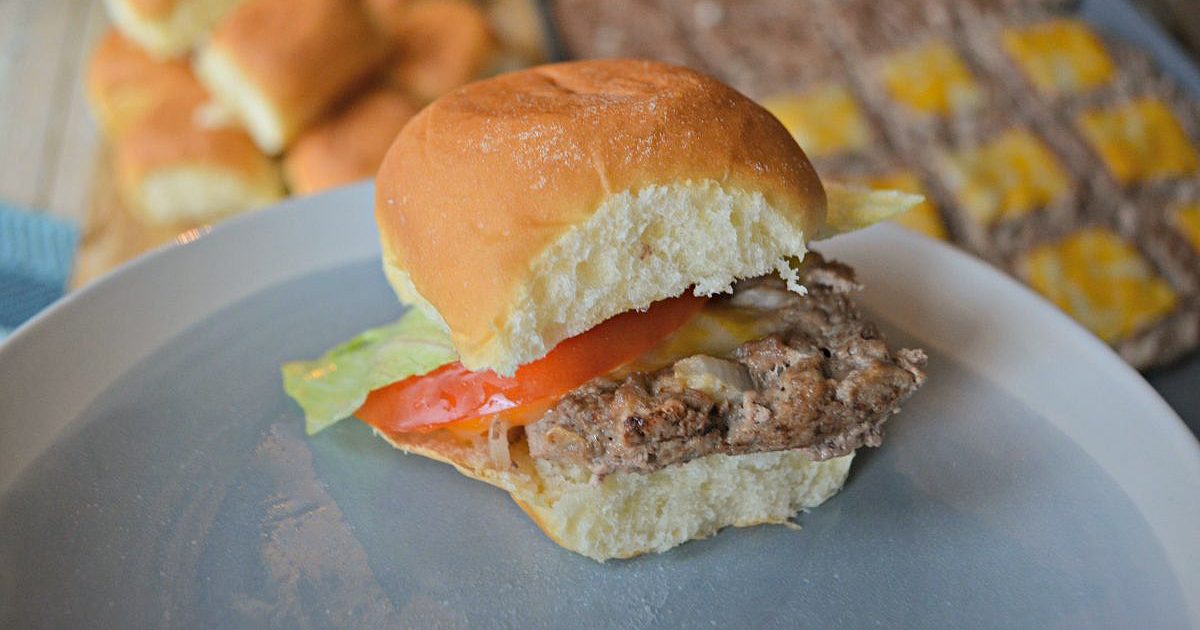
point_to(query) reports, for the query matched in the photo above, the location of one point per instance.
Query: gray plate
(152, 472)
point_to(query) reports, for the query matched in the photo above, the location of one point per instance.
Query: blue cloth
(36, 255)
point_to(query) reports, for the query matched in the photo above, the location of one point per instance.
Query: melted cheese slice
(1139, 141)
(1009, 176)
(1101, 281)
(825, 120)
(1187, 220)
(931, 79)
(1059, 57)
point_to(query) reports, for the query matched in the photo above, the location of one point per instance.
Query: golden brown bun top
(153, 9)
(484, 179)
(388, 15)
(124, 82)
(441, 44)
(350, 145)
(172, 134)
(303, 54)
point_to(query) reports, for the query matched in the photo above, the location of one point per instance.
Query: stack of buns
(173, 166)
(217, 106)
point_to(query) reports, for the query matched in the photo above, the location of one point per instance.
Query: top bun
(527, 208)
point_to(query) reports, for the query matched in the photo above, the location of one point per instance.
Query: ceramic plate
(153, 473)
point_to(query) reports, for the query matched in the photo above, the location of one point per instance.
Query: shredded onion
(762, 297)
(498, 443)
(718, 377)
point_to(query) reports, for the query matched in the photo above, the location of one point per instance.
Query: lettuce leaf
(853, 207)
(334, 386)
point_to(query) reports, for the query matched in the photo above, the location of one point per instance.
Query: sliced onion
(713, 376)
(766, 298)
(498, 443)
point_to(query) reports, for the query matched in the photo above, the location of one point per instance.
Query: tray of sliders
(1043, 140)
(211, 109)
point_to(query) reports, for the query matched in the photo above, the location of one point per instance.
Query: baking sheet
(1179, 383)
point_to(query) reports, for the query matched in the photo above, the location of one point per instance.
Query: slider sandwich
(615, 316)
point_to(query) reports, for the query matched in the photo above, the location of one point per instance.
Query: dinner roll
(173, 168)
(441, 44)
(124, 82)
(167, 28)
(518, 26)
(280, 65)
(586, 189)
(349, 145)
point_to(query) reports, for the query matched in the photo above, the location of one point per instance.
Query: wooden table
(48, 141)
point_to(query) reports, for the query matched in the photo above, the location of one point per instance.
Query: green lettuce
(334, 386)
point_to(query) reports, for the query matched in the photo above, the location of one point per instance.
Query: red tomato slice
(452, 394)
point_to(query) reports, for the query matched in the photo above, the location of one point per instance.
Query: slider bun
(527, 208)
(441, 44)
(172, 169)
(124, 83)
(518, 25)
(280, 65)
(627, 514)
(167, 28)
(350, 145)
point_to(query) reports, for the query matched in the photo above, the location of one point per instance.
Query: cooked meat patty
(822, 381)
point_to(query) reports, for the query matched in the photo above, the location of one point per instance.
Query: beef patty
(822, 381)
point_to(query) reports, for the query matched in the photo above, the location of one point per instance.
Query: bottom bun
(628, 514)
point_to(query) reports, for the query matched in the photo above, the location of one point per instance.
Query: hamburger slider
(615, 316)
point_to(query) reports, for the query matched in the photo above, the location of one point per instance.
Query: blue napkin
(36, 254)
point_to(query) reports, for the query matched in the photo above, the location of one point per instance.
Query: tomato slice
(452, 394)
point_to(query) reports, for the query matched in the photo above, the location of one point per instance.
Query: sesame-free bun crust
(282, 64)
(441, 44)
(527, 208)
(124, 83)
(173, 169)
(167, 28)
(349, 145)
(629, 514)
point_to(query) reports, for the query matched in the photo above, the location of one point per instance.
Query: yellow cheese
(716, 331)
(1187, 220)
(1060, 56)
(1008, 176)
(923, 217)
(931, 79)
(825, 120)
(1101, 281)
(1139, 141)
